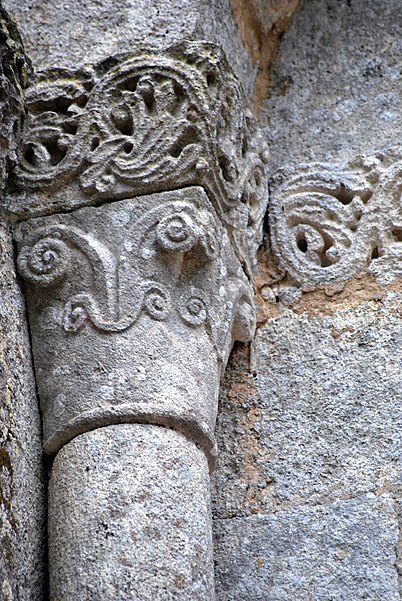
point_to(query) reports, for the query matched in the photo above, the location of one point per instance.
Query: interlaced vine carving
(145, 123)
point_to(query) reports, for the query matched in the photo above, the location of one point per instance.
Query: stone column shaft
(138, 506)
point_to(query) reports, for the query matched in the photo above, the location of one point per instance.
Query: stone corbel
(142, 190)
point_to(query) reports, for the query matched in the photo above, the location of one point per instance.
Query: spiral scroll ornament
(156, 301)
(177, 232)
(193, 308)
(75, 316)
(44, 263)
(319, 229)
(141, 124)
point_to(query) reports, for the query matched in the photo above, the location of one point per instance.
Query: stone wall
(22, 501)
(308, 485)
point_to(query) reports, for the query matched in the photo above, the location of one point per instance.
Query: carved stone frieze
(154, 286)
(140, 124)
(328, 223)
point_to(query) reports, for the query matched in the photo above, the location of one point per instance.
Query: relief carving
(328, 223)
(175, 227)
(147, 282)
(142, 186)
(140, 124)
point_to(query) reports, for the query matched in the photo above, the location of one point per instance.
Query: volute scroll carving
(138, 280)
(329, 223)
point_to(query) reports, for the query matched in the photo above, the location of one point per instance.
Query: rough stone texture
(317, 426)
(22, 501)
(133, 309)
(398, 562)
(22, 509)
(333, 421)
(316, 418)
(327, 428)
(336, 86)
(317, 423)
(129, 517)
(260, 25)
(13, 78)
(336, 552)
(92, 31)
(239, 481)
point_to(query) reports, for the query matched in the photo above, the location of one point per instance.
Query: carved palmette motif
(145, 123)
(328, 222)
(155, 280)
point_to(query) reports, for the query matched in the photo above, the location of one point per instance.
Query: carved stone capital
(144, 123)
(138, 286)
(329, 223)
(133, 306)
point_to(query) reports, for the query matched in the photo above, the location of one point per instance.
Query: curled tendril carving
(46, 262)
(178, 227)
(54, 134)
(51, 253)
(177, 232)
(319, 225)
(152, 121)
(156, 301)
(75, 314)
(193, 307)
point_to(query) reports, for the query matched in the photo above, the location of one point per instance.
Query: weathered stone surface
(330, 391)
(129, 517)
(336, 552)
(260, 24)
(135, 301)
(322, 421)
(22, 508)
(398, 562)
(332, 222)
(336, 86)
(141, 123)
(22, 501)
(239, 480)
(13, 78)
(134, 307)
(71, 35)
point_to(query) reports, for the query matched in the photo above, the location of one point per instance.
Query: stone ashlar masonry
(137, 202)
(307, 495)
